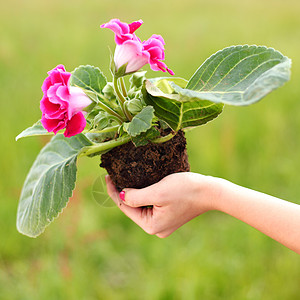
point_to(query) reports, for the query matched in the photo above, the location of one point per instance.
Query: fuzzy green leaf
(238, 75)
(144, 138)
(49, 184)
(134, 106)
(177, 111)
(35, 129)
(88, 78)
(100, 137)
(140, 122)
(109, 91)
(137, 79)
(102, 120)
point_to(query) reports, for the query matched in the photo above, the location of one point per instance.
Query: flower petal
(120, 29)
(135, 25)
(48, 107)
(157, 65)
(63, 93)
(53, 125)
(78, 100)
(60, 68)
(76, 125)
(130, 53)
(154, 46)
(123, 31)
(46, 85)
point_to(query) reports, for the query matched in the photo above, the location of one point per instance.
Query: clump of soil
(138, 167)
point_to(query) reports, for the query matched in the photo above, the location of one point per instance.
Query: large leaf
(178, 111)
(140, 122)
(238, 75)
(35, 129)
(88, 78)
(49, 184)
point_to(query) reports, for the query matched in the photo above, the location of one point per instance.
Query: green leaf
(35, 129)
(109, 91)
(49, 184)
(121, 71)
(144, 138)
(134, 106)
(100, 137)
(140, 122)
(238, 75)
(93, 82)
(178, 111)
(89, 78)
(163, 83)
(137, 79)
(102, 120)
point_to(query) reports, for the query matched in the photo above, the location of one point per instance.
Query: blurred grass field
(95, 252)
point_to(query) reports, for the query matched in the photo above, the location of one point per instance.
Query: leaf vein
(239, 62)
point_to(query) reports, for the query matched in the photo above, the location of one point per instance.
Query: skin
(180, 197)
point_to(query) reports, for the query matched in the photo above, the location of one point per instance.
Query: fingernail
(122, 195)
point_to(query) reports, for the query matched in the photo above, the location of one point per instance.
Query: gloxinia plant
(90, 116)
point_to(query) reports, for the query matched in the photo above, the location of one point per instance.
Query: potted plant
(137, 127)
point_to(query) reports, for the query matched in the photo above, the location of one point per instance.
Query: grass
(95, 252)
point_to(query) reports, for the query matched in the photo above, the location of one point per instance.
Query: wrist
(212, 191)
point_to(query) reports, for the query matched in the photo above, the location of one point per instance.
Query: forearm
(274, 217)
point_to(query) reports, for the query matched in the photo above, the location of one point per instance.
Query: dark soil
(138, 167)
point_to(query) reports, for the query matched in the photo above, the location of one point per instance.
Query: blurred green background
(95, 252)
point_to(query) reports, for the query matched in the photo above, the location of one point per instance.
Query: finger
(148, 196)
(140, 216)
(163, 234)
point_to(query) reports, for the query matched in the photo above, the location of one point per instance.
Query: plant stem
(110, 111)
(121, 99)
(108, 129)
(101, 147)
(164, 138)
(123, 86)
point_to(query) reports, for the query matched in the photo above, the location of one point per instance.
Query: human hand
(165, 206)
(180, 197)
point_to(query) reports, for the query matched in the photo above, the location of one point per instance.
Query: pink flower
(131, 51)
(62, 104)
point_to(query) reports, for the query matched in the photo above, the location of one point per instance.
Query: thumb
(142, 197)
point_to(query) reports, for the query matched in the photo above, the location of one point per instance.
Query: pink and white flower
(131, 51)
(62, 104)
